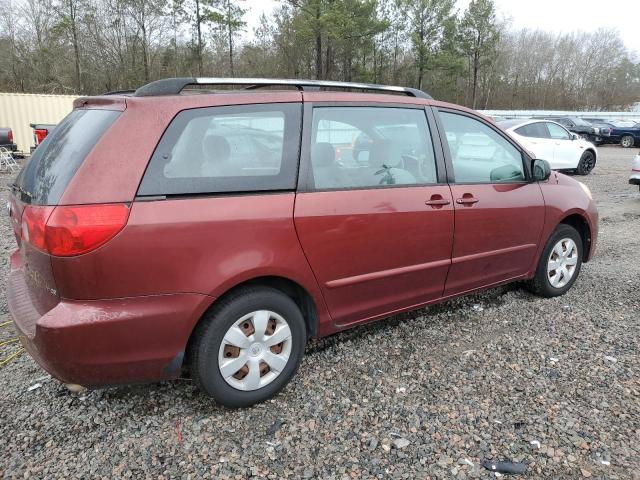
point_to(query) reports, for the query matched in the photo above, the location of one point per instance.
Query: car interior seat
(383, 156)
(326, 173)
(216, 155)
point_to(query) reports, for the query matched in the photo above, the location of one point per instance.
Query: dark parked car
(40, 132)
(625, 133)
(187, 255)
(604, 128)
(6, 139)
(580, 127)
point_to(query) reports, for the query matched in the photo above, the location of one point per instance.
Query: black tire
(214, 326)
(540, 283)
(586, 163)
(627, 141)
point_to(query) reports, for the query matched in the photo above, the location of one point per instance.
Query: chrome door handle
(437, 202)
(467, 200)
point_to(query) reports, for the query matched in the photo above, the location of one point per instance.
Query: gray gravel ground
(424, 395)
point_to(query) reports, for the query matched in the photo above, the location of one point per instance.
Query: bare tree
(90, 46)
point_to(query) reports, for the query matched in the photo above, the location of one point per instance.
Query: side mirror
(541, 170)
(575, 136)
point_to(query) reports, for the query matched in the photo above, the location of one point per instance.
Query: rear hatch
(35, 215)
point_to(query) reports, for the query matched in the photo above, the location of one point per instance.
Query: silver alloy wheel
(255, 350)
(562, 263)
(627, 141)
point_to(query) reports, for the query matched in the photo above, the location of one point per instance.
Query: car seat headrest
(216, 148)
(323, 154)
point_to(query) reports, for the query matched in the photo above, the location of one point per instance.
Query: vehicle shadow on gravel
(184, 389)
(427, 316)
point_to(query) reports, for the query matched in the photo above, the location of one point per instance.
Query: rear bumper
(635, 180)
(106, 342)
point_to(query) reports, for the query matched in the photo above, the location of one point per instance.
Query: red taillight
(34, 223)
(10, 136)
(41, 134)
(67, 231)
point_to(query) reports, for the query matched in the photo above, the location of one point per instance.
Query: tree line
(469, 57)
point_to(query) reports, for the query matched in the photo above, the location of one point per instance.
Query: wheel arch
(580, 223)
(294, 290)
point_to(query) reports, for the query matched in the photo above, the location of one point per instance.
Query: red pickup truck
(6, 139)
(40, 132)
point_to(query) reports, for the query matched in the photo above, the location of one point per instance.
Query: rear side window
(53, 164)
(534, 130)
(241, 148)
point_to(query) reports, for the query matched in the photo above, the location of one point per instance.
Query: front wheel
(627, 141)
(248, 346)
(586, 163)
(559, 264)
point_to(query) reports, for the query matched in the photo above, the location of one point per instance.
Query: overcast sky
(556, 15)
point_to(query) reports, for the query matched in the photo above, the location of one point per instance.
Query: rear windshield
(53, 164)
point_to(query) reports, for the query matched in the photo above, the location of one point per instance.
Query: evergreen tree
(427, 20)
(479, 36)
(228, 16)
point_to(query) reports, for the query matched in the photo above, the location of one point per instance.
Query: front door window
(478, 153)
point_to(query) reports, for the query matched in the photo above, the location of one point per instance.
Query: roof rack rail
(118, 92)
(173, 86)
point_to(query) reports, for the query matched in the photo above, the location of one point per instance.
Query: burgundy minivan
(185, 228)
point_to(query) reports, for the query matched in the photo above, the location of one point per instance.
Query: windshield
(579, 121)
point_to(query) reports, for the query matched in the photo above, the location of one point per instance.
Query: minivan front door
(374, 221)
(499, 214)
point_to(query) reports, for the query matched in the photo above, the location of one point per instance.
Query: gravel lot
(502, 375)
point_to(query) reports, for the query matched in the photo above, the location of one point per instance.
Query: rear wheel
(248, 346)
(559, 264)
(586, 163)
(627, 141)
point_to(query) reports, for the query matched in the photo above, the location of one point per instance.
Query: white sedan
(634, 179)
(552, 142)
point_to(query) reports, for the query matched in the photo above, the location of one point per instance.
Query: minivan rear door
(373, 211)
